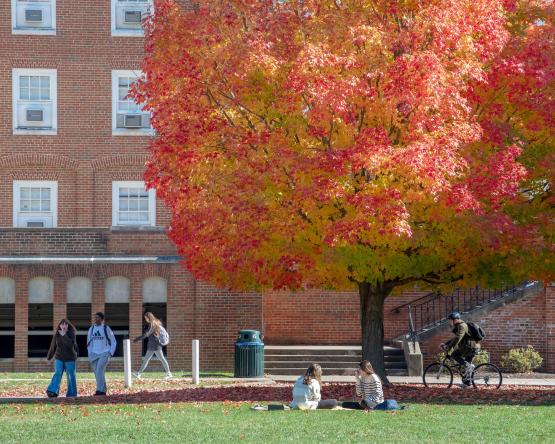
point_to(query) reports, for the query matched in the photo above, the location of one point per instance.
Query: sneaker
(168, 376)
(97, 393)
(469, 368)
(51, 394)
(464, 385)
(137, 375)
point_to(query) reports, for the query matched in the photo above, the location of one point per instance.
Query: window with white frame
(34, 17)
(35, 204)
(34, 101)
(128, 16)
(128, 118)
(133, 204)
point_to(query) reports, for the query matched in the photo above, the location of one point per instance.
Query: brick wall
(326, 317)
(516, 325)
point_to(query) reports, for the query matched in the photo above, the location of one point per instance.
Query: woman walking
(153, 332)
(64, 350)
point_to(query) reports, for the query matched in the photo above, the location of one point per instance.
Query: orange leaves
(298, 142)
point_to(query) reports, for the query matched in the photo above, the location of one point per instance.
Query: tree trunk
(371, 319)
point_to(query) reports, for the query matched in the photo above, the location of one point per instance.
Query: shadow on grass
(509, 395)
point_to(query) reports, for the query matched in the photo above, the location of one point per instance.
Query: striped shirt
(370, 389)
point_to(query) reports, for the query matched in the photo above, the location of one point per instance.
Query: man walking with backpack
(465, 345)
(101, 345)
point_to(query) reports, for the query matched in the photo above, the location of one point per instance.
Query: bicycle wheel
(438, 375)
(487, 376)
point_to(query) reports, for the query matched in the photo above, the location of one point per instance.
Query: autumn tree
(338, 144)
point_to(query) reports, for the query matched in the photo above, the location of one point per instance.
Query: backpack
(475, 332)
(163, 337)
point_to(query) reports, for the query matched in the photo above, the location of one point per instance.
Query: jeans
(98, 365)
(327, 404)
(362, 405)
(59, 368)
(160, 355)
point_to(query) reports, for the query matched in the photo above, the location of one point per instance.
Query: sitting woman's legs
(327, 404)
(352, 405)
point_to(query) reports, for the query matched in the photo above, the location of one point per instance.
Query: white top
(306, 396)
(97, 343)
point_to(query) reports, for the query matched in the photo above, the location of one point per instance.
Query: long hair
(154, 323)
(70, 326)
(366, 367)
(314, 371)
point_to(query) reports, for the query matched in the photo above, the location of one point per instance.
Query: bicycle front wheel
(487, 376)
(438, 375)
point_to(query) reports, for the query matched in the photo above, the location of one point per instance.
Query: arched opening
(79, 298)
(41, 316)
(155, 299)
(116, 308)
(7, 318)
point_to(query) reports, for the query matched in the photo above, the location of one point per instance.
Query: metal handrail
(434, 308)
(398, 308)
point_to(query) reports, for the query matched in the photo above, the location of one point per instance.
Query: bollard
(195, 354)
(127, 363)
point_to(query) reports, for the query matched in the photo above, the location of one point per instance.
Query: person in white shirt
(101, 346)
(306, 391)
(368, 388)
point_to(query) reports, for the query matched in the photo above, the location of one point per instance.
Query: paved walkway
(546, 379)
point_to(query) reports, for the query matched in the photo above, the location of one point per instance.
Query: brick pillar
(97, 301)
(84, 194)
(550, 327)
(136, 316)
(60, 307)
(21, 322)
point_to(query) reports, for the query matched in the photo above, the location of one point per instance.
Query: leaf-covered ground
(181, 390)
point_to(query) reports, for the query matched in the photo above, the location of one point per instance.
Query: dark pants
(353, 405)
(463, 360)
(327, 404)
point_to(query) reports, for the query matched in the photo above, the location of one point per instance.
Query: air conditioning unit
(33, 16)
(132, 121)
(35, 115)
(132, 17)
(35, 224)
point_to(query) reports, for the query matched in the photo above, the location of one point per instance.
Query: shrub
(521, 360)
(481, 358)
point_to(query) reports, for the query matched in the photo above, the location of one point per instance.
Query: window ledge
(128, 33)
(33, 31)
(132, 132)
(136, 228)
(6, 359)
(34, 132)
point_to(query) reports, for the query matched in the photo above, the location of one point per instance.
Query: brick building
(80, 234)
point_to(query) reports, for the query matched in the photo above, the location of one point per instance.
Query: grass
(234, 422)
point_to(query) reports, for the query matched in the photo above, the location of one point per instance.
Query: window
(127, 17)
(41, 316)
(133, 204)
(7, 318)
(34, 17)
(35, 204)
(79, 297)
(34, 101)
(127, 117)
(116, 308)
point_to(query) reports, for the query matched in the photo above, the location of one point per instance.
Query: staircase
(335, 360)
(427, 316)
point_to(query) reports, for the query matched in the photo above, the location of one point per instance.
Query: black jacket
(63, 348)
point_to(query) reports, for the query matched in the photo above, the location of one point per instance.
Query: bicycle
(440, 374)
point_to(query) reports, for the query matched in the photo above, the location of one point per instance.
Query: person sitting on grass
(306, 391)
(368, 388)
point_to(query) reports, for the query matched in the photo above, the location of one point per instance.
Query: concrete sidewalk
(546, 380)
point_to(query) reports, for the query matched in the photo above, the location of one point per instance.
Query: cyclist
(462, 348)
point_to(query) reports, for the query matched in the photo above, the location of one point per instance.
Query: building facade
(79, 233)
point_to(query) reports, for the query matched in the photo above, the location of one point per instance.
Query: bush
(481, 358)
(521, 360)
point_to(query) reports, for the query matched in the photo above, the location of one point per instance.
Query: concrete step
(350, 365)
(327, 371)
(328, 358)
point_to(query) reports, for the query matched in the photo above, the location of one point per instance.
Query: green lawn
(232, 423)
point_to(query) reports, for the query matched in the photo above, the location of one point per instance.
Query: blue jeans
(59, 368)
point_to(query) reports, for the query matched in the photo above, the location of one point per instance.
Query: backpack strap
(106, 336)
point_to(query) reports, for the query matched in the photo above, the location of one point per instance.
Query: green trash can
(249, 355)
